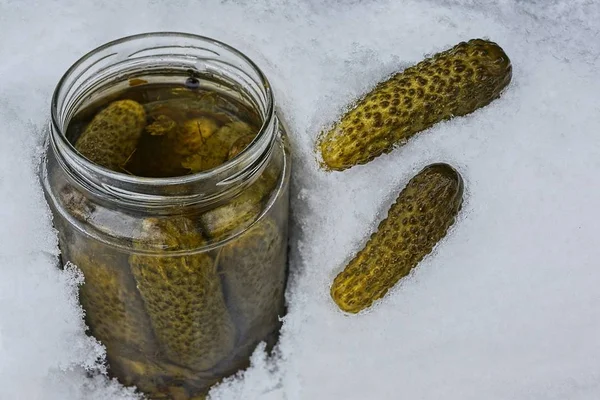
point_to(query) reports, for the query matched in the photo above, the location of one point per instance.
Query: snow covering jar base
(184, 275)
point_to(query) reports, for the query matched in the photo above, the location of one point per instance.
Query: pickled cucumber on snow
(416, 222)
(452, 83)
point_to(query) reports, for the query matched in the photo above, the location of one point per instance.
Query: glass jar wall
(185, 270)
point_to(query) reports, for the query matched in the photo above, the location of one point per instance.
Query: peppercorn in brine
(162, 130)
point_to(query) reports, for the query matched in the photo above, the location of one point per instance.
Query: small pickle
(253, 278)
(193, 134)
(112, 136)
(419, 218)
(182, 293)
(452, 83)
(115, 312)
(215, 150)
(240, 211)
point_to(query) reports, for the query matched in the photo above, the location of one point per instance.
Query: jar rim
(67, 146)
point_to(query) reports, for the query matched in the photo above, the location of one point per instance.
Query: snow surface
(507, 307)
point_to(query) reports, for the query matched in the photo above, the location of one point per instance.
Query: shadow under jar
(182, 240)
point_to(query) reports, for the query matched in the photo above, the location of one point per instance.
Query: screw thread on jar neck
(149, 54)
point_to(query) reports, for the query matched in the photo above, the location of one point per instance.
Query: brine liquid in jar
(164, 129)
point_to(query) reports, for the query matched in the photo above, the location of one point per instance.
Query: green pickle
(216, 148)
(182, 294)
(194, 134)
(420, 217)
(115, 312)
(112, 136)
(114, 309)
(242, 210)
(452, 83)
(253, 279)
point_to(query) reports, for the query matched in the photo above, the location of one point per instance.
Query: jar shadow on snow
(184, 252)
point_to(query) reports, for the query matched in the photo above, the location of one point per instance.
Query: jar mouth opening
(58, 134)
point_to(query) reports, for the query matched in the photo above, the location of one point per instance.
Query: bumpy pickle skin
(419, 218)
(240, 211)
(111, 137)
(254, 280)
(215, 149)
(452, 83)
(182, 294)
(193, 134)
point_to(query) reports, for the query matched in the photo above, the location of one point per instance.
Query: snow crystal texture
(506, 307)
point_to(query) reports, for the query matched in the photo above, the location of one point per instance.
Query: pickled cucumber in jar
(254, 280)
(182, 293)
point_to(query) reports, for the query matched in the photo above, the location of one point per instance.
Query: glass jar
(184, 275)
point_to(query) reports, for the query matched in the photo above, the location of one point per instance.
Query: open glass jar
(184, 273)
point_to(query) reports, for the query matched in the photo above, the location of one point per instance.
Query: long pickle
(182, 293)
(452, 83)
(253, 278)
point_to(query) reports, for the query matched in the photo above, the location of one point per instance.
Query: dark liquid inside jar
(189, 127)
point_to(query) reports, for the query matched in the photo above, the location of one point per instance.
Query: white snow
(507, 305)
